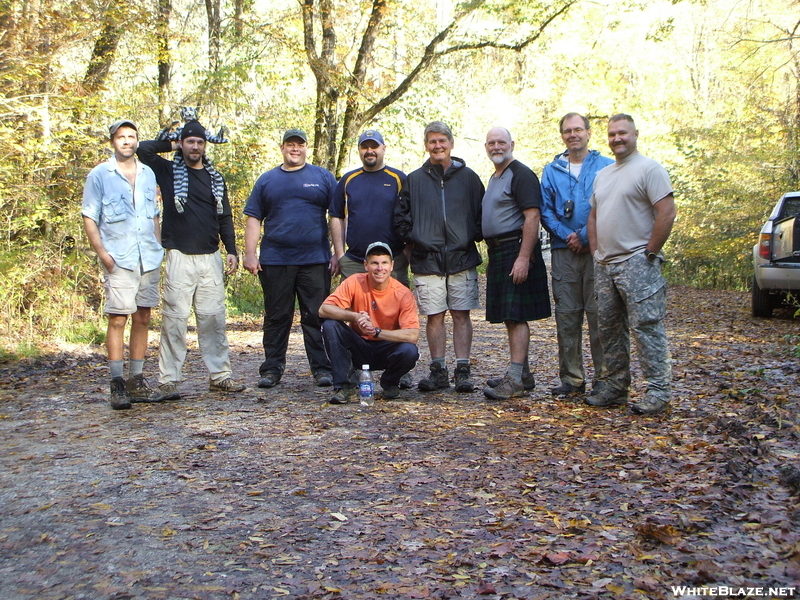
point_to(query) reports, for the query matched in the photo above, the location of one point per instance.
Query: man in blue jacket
(439, 215)
(567, 184)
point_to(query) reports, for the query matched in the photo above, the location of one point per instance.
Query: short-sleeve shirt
(517, 189)
(390, 309)
(367, 199)
(293, 206)
(124, 214)
(623, 198)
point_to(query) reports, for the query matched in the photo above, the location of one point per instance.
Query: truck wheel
(762, 302)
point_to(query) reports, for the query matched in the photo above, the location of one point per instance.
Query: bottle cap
(365, 367)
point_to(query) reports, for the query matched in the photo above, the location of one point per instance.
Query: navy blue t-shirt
(367, 198)
(292, 206)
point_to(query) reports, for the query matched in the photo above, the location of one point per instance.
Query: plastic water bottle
(366, 387)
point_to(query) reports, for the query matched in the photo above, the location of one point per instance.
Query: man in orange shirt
(371, 319)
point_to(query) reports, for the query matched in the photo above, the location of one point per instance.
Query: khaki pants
(574, 295)
(193, 281)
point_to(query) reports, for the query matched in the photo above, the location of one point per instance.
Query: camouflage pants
(573, 292)
(633, 295)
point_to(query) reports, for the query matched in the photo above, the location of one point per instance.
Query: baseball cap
(374, 245)
(112, 129)
(371, 134)
(298, 133)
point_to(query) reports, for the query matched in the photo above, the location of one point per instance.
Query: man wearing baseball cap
(197, 217)
(294, 262)
(366, 197)
(371, 319)
(121, 219)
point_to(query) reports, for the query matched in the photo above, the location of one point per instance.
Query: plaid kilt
(529, 301)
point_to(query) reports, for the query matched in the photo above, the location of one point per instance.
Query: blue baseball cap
(371, 134)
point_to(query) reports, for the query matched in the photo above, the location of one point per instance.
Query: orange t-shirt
(392, 308)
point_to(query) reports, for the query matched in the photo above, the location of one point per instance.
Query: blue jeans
(347, 350)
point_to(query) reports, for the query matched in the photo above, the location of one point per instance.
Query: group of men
(608, 220)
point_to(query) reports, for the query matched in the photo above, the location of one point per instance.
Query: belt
(504, 238)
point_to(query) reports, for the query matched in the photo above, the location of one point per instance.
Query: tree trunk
(214, 32)
(164, 60)
(105, 50)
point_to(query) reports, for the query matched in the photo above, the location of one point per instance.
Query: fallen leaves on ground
(274, 494)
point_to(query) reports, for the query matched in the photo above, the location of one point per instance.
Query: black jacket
(440, 215)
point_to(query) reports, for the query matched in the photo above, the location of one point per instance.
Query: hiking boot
(437, 380)
(566, 389)
(137, 389)
(462, 379)
(390, 392)
(344, 395)
(528, 381)
(226, 386)
(323, 379)
(507, 388)
(597, 387)
(118, 398)
(269, 380)
(406, 383)
(165, 391)
(607, 397)
(651, 404)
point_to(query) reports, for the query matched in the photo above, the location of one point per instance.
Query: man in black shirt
(195, 217)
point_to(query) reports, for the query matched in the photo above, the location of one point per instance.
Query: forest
(714, 88)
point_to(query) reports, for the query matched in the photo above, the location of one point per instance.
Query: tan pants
(193, 281)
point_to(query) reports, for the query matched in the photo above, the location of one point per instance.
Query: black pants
(347, 349)
(310, 284)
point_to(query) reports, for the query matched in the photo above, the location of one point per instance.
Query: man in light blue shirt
(121, 219)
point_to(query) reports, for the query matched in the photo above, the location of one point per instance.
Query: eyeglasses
(578, 130)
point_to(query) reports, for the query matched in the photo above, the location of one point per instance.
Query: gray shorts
(126, 290)
(438, 293)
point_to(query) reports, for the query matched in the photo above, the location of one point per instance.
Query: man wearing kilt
(516, 278)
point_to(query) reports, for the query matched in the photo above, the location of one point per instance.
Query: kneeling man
(383, 326)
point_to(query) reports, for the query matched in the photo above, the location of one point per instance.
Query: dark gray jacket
(439, 213)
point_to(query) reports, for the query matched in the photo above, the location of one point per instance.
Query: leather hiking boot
(165, 391)
(651, 404)
(566, 389)
(323, 379)
(226, 386)
(118, 398)
(508, 388)
(597, 387)
(406, 383)
(344, 395)
(462, 379)
(138, 390)
(608, 397)
(437, 380)
(390, 392)
(269, 380)
(528, 381)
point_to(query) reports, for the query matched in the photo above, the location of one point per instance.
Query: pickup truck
(776, 257)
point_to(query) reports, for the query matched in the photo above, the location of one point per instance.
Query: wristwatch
(377, 332)
(650, 256)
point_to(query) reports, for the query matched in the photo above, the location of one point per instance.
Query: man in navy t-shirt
(295, 258)
(366, 197)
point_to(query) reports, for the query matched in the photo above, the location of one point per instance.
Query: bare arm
(665, 217)
(252, 233)
(591, 230)
(157, 228)
(365, 326)
(93, 233)
(336, 227)
(530, 237)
